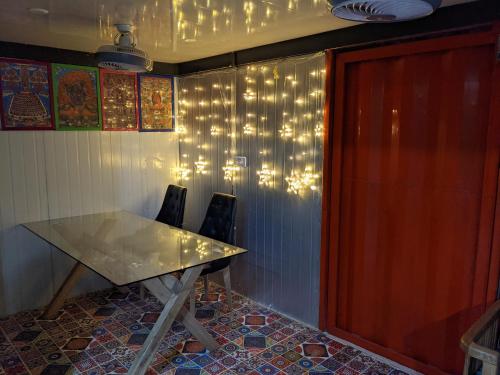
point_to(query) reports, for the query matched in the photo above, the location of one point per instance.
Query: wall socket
(241, 161)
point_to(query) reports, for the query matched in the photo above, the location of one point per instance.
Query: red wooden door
(415, 158)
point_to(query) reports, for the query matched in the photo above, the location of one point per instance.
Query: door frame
(487, 269)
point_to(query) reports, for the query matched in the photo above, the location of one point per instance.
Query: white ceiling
(169, 30)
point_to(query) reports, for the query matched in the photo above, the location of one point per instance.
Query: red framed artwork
(118, 100)
(26, 95)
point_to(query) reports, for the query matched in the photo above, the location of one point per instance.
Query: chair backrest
(172, 209)
(220, 218)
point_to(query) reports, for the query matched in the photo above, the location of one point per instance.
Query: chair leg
(227, 283)
(192, 302)
(205, 283)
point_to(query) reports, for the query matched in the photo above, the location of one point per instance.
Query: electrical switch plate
(241, 161)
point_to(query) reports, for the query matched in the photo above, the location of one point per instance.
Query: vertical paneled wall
(272, 114)
(55, 174)
(205, 125)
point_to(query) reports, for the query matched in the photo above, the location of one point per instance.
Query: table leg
(170, 311)
(61, 295)
(163, 292)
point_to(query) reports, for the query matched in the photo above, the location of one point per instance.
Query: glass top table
(126, 248)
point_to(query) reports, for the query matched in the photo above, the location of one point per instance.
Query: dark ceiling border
(452, 18)
(66, 56)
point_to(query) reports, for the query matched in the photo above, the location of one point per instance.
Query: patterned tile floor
(102, 332)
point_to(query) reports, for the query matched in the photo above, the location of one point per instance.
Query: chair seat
(216, 266)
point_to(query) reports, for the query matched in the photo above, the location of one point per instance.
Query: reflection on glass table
(126, 248)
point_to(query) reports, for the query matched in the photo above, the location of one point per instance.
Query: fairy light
(309, 178)
(301, 120)
(230, 170)
(182, 172)
(303, 138)
(248, 129)
(294, 183)
(214, 131)
(318, 129)
(180, 129)
(266, 176)
(201, 166)
(202, 248)
(286, 131)
(230, 250)
(249, 95)
(185, 237)
(300, 182)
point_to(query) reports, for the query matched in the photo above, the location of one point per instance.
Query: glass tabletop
(126, 248)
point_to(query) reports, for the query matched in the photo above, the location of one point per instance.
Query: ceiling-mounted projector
(382, 10)
(123, 55)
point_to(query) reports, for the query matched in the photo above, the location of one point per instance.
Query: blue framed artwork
(156, 102)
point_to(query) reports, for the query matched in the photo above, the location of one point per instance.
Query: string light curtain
(272, 114)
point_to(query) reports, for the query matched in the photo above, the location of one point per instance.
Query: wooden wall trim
(493, 280)
(327, 182)
(388, 353)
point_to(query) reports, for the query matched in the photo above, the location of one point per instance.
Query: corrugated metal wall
(55, 174)
(272, 114)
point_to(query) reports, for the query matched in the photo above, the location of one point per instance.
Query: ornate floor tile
(56, 369)
(102, 333)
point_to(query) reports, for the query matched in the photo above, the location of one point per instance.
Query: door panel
(414, 140)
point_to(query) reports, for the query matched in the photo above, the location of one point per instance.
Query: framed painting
(26, 95)
(77, 102)
(156, 102)
(118, 100)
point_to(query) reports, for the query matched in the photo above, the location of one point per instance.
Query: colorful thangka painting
(26, 95)
(119, 100)
(156, 103)
(76, 97)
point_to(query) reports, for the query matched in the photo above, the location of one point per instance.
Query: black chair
(172, 209)
(219, 225)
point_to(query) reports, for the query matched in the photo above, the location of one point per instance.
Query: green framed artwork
(77, 100)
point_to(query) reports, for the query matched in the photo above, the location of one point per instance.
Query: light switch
(241, 161)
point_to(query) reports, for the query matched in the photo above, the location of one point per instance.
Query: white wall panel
(55, 174)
